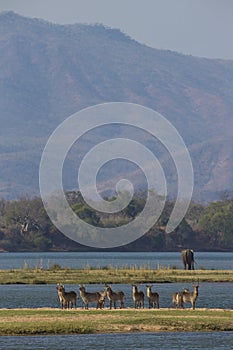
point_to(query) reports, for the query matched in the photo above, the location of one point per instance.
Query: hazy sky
(196, 27)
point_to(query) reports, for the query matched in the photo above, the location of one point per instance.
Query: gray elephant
(188, 258)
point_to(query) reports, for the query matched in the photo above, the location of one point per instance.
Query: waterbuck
(177, 298)
(180, 298)
(138, 297)
(67, 299)
(190, 297)
(101, 302)
(153, 297)
(88, 297)
(113, 297)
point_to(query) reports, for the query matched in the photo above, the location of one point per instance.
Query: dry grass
(111, 275)
(56, 321)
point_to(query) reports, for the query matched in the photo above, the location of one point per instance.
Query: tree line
(25, 226)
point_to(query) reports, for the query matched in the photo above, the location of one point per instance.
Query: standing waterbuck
(138, 297)
(88, 297)
(177, 300)
(153, 297)
(180, 298)
(190, 297)
(67, 299)
(113, 297)
(101, 302)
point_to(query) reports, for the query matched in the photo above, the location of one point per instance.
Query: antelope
(67, 299)
(190, 297)
(90, 297)
(59, 292)
(177, 298)
(101, 302)
(138, 297)
(153, 297)
(113, 297)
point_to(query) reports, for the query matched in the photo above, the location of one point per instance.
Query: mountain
(50, 71)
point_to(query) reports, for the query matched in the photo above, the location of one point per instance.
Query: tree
(86, 213)
(217, 220)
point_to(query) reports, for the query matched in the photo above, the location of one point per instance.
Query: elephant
(188, 258)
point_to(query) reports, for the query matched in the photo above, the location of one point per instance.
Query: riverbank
(111, 275)
(56, 321)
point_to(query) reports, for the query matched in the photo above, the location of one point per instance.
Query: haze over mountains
(48, 72)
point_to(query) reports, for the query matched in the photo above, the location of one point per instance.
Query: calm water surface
(211, 295)
(221, 261)
(145, 341)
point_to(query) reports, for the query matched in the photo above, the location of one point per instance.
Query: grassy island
(79, 321)
(111, 275)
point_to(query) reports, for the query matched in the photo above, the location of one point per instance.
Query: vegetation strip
(111, 275)
(25, 225)
(56, 321)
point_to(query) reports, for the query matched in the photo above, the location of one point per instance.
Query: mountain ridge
(50, 71)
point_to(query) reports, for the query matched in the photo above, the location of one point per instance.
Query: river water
(136, 341)
(217, 260)
(211, 295)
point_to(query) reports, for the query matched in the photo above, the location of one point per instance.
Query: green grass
(111, 275)
(54, 321)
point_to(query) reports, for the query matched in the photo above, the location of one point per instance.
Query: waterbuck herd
(68, 299)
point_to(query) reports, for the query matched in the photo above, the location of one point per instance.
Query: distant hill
(49, 71)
